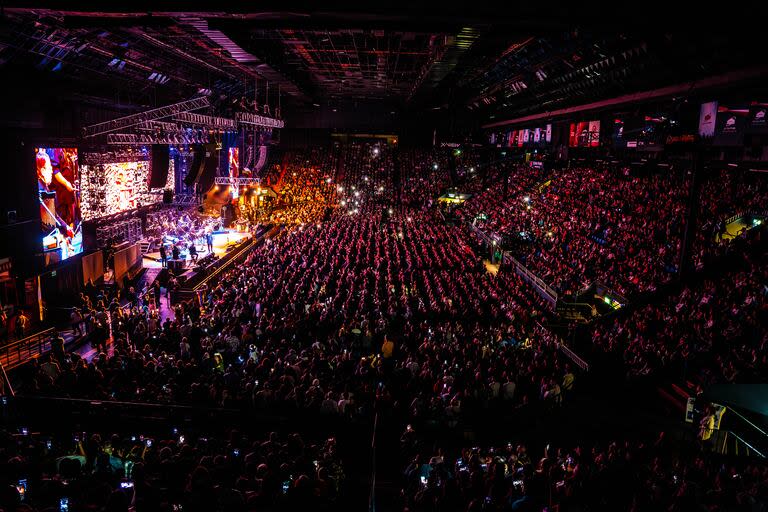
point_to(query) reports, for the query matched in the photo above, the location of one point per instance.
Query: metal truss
(254, 119)
(237, 182)
(153, 126)
(210, 122)
(132, 120)
(142, 139)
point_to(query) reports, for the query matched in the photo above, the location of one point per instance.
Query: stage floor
(220, 243)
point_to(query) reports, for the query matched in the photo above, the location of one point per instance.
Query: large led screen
(58, 177)
(234, 162)
(110, 188)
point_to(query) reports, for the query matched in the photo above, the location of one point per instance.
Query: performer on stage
(163, 255)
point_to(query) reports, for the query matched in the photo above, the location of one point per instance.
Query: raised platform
(194, 280)
(222, 243)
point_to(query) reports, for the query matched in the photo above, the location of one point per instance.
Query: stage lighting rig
(133, 120)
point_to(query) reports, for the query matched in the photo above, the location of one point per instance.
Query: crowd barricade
(21, 351)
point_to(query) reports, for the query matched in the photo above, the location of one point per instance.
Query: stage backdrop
(93, 267)
(127, 261)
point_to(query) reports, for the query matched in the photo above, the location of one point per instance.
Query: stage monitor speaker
(177, 266)
(158, 172)
(198, 160)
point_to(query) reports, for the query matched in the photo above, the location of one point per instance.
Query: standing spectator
(22, 322)
(76, 319)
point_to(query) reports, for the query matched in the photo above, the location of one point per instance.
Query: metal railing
(573, 357)
(546, 291)
(578, 361)
(19, 352)
(185, 200)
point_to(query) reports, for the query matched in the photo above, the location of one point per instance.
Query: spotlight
(340, 189)
(527, 199)
(434, 166)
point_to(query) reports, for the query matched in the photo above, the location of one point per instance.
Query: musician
(209, 241)
(193, 252)
(176, 252)
(163, 255)
(56, 169)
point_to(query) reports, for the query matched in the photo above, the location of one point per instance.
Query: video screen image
(58, 179)
(110, 188)
(234, 162)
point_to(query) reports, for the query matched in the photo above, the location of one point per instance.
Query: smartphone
(286, 485)
(63, 504)
(423, 480)
(126, 485)
(236, 452)
(21, 488)
(181, 439)
(24, 431)
(148, 442)
(49, 444)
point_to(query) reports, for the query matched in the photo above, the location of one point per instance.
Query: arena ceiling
(495, 63)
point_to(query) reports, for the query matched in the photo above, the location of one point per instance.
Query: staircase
(578, 312)
(149, 276)
(144, 244)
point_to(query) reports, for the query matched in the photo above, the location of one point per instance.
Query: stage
(221, 242)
